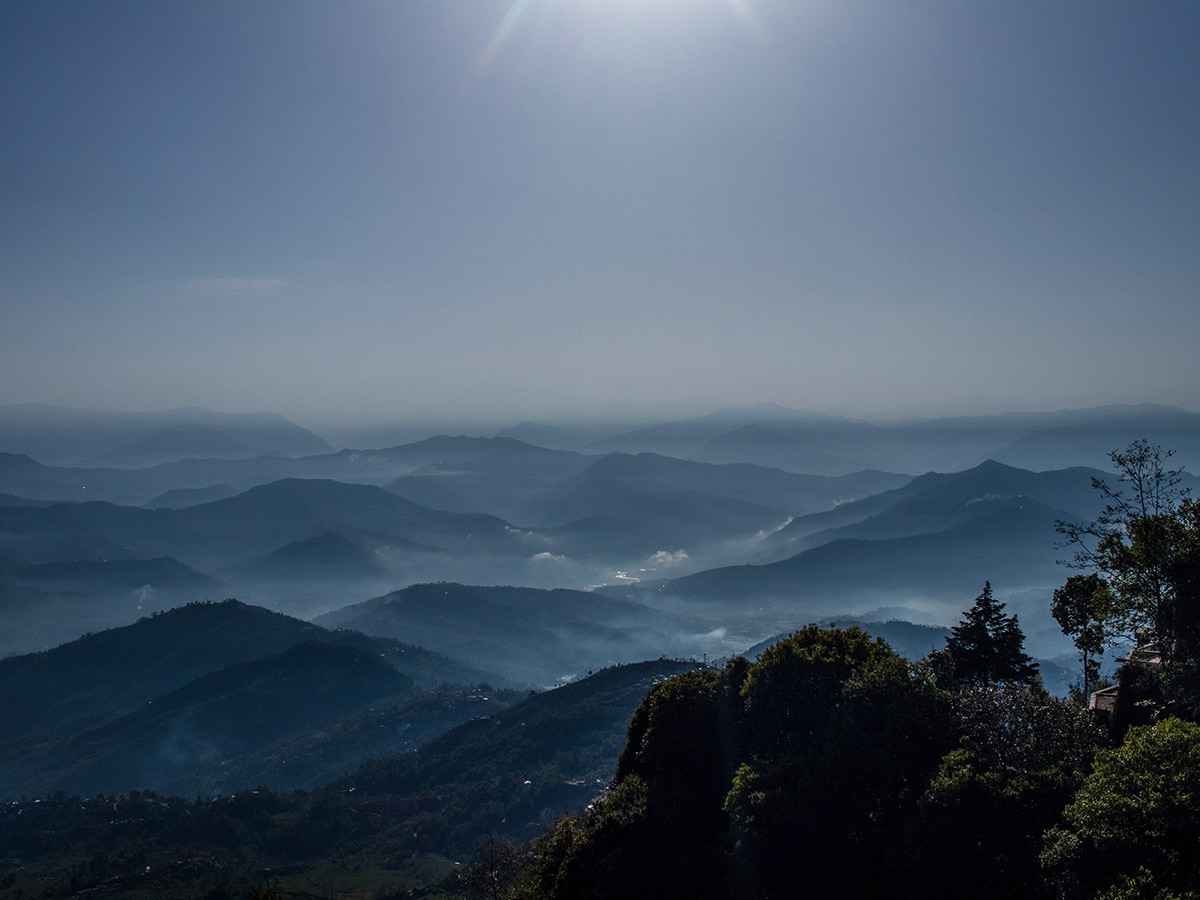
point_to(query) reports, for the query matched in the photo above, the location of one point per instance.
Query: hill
(149, 698)
(516, 771)
(1087, 437)
(677, 504)
(935, 502)
(500, 468)
(531, 636)
(914, 553)
(182, 741)
(178, 498)
(250, 539)
(190, 441)
(80, 684)
(1004, 538)
(329, 555)
(507, 772)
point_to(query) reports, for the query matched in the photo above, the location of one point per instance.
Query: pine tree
(987, 646)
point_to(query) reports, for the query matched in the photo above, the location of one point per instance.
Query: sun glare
(631, 15)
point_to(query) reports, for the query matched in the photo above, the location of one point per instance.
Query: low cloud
(665, 559)
(547, 556)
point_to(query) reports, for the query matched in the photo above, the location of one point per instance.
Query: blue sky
(370, 211)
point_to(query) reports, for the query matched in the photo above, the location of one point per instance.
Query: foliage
(1133, 827)
(1083, 608)
(1142, 545)
(825, 811)
(830, 763)
(493, 869)
(1142, 558)
(977, 832)
(987, 647)
(746, 780)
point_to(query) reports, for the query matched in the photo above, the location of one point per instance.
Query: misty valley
(587, 659)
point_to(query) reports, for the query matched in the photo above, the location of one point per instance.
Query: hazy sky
(382, 209)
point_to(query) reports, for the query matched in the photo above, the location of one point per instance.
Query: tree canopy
(1134, 825)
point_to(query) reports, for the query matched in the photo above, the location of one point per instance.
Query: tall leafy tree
(988, 647)
(1083, 608)
(1137, 544)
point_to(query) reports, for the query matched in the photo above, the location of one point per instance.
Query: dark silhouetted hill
(175, 740)
(89, 709)
(515, 772)
(122, 669)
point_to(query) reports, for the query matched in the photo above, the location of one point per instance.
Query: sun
(634, 14)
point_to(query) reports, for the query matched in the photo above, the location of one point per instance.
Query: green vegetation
(1134, 825)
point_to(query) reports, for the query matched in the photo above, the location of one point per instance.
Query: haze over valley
(685, 538)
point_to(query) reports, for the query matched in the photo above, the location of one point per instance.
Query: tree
(1133, 827)
(799, 768)
(493, 869)
(1137, 543)
(1083, 609)
(842, 735)
(988, 647)
(1181, 612)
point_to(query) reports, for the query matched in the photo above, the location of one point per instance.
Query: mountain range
(707, 536)
(100, 438)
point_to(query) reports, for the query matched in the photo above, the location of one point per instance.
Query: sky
(364, 211)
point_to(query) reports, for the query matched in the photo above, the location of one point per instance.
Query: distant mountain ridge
(532, 636)
(313, 533)
(797, 441)
(920, 551)
(241, 528)
(62, 435)
(174, 443)
(937, 501)
(476, 473)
